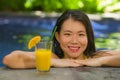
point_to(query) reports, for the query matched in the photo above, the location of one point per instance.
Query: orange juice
(43, 59)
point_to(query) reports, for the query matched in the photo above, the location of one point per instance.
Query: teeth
(73, 47)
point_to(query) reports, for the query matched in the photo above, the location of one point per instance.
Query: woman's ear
(57, 36)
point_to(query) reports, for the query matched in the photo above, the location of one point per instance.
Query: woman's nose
(74, 39)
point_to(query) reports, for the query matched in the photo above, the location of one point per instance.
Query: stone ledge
(79, 73)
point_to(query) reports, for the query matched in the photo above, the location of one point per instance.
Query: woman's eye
(81, 34)
(67, 34)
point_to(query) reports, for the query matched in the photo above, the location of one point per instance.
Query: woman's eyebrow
(71, 31)
(67, 31)
(82, 31)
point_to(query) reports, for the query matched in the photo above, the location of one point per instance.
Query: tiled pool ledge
(81, 73)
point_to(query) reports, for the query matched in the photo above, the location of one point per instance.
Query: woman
(73, 45)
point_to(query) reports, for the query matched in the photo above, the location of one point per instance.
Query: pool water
(15, 31)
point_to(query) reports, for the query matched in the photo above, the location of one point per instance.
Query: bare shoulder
(102, 53)
(54, 56)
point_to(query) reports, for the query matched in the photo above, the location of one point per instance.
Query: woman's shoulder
(102, 53)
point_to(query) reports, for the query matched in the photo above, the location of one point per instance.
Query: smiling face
(72, 39)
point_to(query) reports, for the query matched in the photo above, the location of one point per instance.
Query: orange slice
(33, 41)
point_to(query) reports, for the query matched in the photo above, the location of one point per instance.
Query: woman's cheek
(65, 39)
(84, 41)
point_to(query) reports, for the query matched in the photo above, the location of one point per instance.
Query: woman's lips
(73, 48)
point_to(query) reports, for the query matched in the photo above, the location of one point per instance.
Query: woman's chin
(73, 57)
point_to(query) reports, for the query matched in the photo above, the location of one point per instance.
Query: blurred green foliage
(12, 5)
(89, 6)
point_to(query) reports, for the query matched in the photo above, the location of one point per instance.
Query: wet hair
(78, 16)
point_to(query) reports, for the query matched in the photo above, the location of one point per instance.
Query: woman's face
(72, 39)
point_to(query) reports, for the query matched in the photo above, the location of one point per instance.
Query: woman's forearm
(20, 59)
(112, 58)
(111, 61)
(103, 61)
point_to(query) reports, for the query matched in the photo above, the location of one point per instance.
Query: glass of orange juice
(43, 52)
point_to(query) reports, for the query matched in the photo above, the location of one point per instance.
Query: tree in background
(89, 6)
(12, 5)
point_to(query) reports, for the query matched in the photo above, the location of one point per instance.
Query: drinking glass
(43, 51)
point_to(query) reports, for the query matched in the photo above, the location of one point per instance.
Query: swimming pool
(15, 31)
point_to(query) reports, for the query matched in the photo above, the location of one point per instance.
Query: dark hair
(78, 16)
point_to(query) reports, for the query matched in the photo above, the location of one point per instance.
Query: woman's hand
(64, 63)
